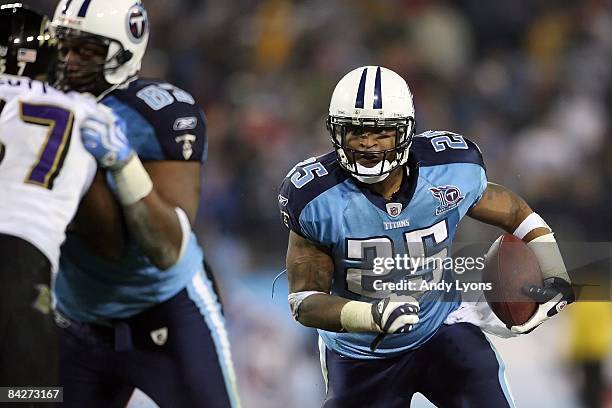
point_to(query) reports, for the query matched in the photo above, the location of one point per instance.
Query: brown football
(510, 265)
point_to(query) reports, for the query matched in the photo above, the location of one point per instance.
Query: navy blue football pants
(176, 352)
(457, 367)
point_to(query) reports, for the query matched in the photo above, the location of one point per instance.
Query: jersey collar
(402, 196)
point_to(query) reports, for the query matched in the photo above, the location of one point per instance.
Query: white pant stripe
(323, 360)
(201, 292)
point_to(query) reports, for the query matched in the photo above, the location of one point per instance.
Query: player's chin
(77, 84)
(77, 80)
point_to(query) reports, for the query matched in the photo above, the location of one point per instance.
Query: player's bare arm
(310, 270)
(505, 209)
(153, 221)
(99, 221)
(157, 215)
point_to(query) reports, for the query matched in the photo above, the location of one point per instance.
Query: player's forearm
(310, 270)
(505, 209)
(155, 226)
(160, 229)
(332, 313)
(321, 311)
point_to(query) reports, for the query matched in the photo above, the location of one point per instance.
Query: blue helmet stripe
(359, 102)
(66, 6)
(377, 91)
(83, 9)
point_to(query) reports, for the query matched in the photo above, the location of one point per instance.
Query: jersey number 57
(56, 123)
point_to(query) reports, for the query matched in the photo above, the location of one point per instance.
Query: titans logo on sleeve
(321, 202)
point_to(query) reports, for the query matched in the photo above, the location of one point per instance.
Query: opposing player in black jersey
(44, 172)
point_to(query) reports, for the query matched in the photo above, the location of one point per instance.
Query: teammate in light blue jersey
(383, 194)
(136, 304)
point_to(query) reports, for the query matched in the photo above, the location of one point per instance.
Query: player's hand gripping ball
(518, 296)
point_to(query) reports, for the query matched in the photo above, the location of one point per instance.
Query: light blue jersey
(163, 123)
(321, 202)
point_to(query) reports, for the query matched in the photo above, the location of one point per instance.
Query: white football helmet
(377, 97)
(122, 25)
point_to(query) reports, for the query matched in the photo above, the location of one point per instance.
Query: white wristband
(549, 257)
(357, 317)
(133, 181)
(530, 223)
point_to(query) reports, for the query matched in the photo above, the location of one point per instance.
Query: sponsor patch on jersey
(394, 209)
(187, 123)
(448, 197)
(282, 200)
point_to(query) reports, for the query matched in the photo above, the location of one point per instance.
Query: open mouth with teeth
(369, 160)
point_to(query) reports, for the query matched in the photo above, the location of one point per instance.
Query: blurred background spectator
(528, 80)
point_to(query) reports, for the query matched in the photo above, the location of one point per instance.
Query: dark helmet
(26, 46)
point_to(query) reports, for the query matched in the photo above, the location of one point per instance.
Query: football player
(135, 303)
(44, 171)
(384, 192)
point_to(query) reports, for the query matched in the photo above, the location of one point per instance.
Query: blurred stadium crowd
(528, 80)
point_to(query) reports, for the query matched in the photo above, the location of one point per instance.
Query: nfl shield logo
(160, 336)
(394, 209)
